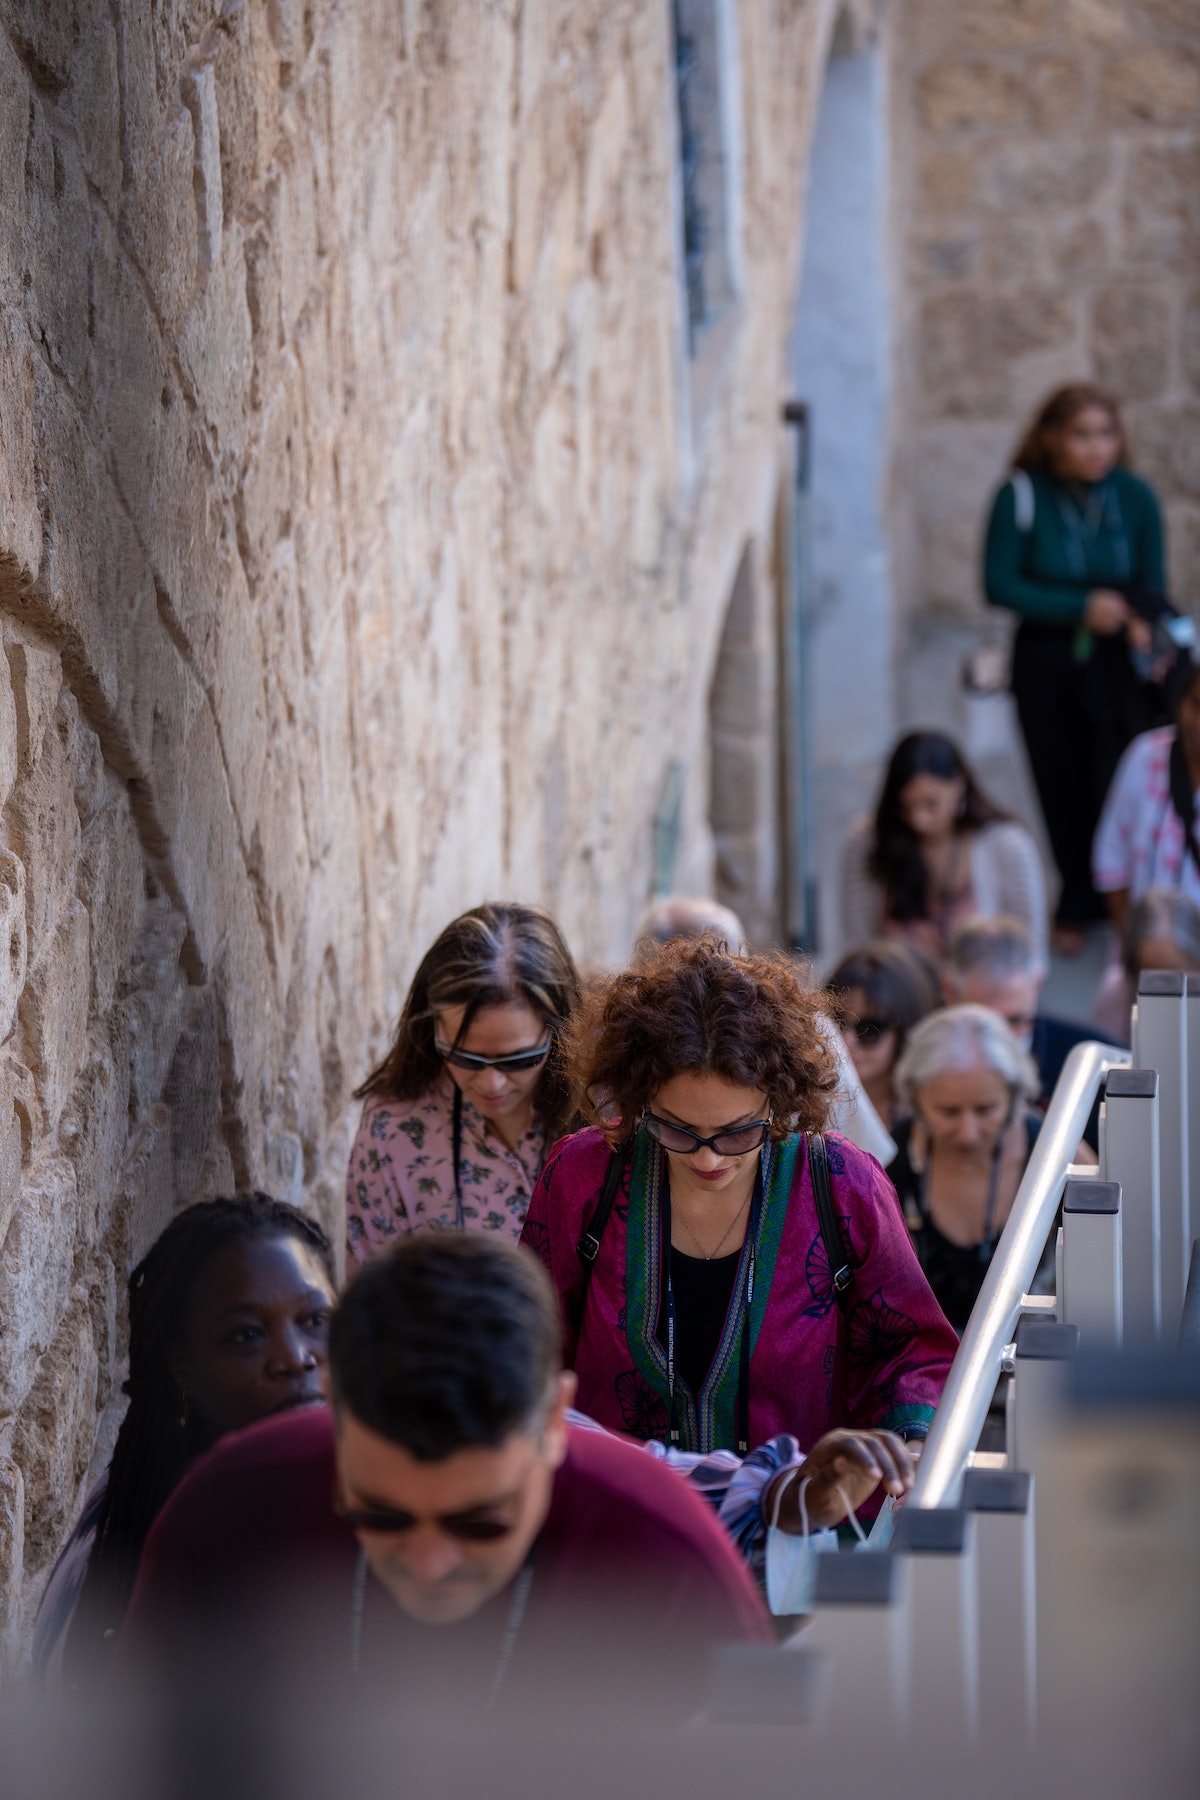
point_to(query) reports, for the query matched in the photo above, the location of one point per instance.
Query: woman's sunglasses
(869, 1031)
(738, 1142)
(512, 1064)
(384, 1521)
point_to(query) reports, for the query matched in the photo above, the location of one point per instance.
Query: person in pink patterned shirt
(1147, 837)
(458, 1116)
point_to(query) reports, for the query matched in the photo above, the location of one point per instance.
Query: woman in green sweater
(1073, 539)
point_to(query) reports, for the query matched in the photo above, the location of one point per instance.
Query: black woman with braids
(228, 1317)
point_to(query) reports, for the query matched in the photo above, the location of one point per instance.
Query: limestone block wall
(1047, 170)
(366, 537)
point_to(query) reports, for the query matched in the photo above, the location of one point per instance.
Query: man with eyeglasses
(444, 1534)
(992, 962)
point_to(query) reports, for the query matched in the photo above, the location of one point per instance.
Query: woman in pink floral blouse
(458, 1116)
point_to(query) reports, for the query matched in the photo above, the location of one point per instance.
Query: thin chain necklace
(711, 1255)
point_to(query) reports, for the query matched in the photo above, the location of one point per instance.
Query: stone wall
(366, 535)
(1047, 169)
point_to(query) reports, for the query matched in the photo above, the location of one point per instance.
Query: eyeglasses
(739, 1141)
(869, 1031)
(385, 1521)
(512, 1064)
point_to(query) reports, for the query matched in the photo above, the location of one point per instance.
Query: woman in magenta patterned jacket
(718, 1310)
(458, 1116)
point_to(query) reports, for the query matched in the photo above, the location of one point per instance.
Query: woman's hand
(1106, 612)
(854, 1462)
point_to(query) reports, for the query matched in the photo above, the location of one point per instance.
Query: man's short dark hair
(448, 1342)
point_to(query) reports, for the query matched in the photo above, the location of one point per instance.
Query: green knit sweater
(1033, 573)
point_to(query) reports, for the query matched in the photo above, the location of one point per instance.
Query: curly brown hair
(691, 1007)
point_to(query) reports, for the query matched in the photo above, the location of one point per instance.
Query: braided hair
(159, 1437)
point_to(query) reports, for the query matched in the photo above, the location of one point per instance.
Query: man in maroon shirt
(442, 1535)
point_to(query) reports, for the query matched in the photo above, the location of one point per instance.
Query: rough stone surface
(367, 534)
(1047, 156)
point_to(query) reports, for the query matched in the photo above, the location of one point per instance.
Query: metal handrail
(976, 1368)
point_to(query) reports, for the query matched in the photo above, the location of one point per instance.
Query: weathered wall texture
(1048, 161)
(365, 539)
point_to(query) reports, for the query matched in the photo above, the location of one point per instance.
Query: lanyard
(984, 1250)
(508, 1643)
(456, 1153)
(1082, 526)
(750, 1259)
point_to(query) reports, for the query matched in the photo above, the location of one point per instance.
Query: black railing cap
(936, 1531)
(1081, 1195)
(866, 1580)
(1131, 1084)
(996, 1490)
(1045, 1340)
(1170, 982)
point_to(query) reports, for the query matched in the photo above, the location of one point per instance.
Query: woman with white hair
(963, 1148)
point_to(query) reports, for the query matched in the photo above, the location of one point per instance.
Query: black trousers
(1076, 719)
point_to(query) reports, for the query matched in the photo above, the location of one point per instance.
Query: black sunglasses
(869, 1031)
(384, 1520)
(512, 1064)
(737, 1142)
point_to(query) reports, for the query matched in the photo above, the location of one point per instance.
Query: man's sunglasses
(738, 1142)
(512, 1064)
(869, 1031)
(386, 1522)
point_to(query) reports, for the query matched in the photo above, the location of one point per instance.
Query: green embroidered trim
(898, 1417)
(709, 1421)
(643, 1296)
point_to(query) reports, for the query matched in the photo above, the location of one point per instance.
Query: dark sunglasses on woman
(869, 1031)
(512, 1064)
(737, 1142)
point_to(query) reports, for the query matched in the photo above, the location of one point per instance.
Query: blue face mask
(792, 1561)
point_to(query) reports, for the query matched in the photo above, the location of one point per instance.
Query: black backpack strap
(831, 1230)
(588, 1247)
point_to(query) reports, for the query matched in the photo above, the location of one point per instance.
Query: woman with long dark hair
(1075, 549)
(228, 1317)
(936, 852)
(461, 1111)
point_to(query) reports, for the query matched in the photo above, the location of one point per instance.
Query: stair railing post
(1129, 1139)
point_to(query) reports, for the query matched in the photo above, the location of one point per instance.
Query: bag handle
(831, 1230)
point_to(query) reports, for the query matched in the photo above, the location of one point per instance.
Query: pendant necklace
(712, 1255)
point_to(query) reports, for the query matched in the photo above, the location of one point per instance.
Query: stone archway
(742, 748)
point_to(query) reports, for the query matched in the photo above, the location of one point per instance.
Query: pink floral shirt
(1139, 843)
(401, 1174)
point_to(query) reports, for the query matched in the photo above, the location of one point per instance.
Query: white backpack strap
(1023, 500)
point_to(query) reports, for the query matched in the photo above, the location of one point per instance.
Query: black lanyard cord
(456, 1153)
(987, 1245)
(750, 1257)
(508, 1641)
(1082, 523)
